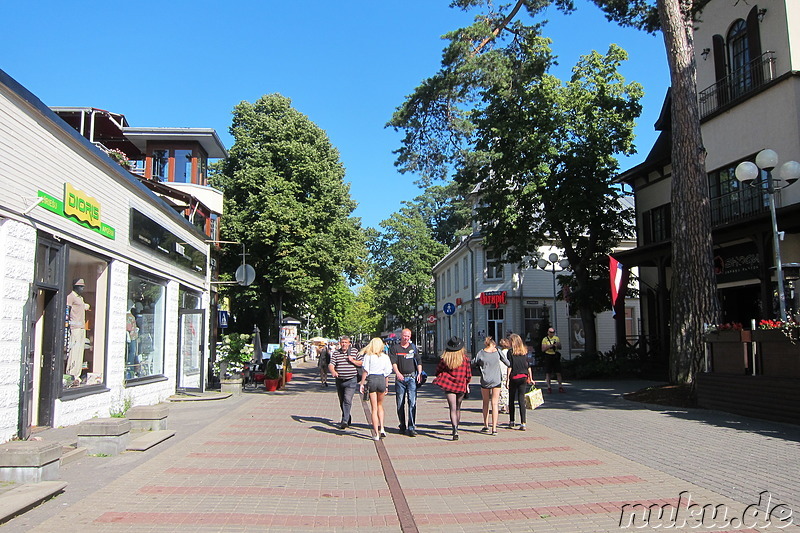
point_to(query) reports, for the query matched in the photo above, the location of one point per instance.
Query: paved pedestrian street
(589, 461)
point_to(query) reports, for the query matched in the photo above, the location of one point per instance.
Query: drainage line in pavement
(407, 523)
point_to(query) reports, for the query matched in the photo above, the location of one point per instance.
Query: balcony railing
(737, 205)
(738, 84)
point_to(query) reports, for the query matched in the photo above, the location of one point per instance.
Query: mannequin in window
(132, 337)
(77, 331)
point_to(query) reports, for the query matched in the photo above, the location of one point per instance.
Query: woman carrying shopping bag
(519, 377)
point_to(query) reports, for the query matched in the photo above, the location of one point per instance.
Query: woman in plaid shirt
(453, 375)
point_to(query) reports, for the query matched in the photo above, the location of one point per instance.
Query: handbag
(534, 398)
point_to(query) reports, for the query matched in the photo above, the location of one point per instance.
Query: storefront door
(190, 349)
(44, 340)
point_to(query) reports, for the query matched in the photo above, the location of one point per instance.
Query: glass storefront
(144, 326)
(85, 319)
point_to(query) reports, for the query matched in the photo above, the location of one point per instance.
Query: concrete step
(26, 496)
(148, 439)
(72, 453)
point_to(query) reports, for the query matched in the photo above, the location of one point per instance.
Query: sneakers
(511, 425)
(412, 433)
(484, 430)
(522, 427)
(561, 389)
(455, 436)
(342, 425)
(494, 433)
(382, 433)
(402, 430)
(376, 437)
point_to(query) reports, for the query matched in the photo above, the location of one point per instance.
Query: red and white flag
(615, 270)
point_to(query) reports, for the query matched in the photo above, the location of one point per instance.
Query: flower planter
(729, 351)
(232, 385)
(288, 377)
(777, 355)
(271, 384)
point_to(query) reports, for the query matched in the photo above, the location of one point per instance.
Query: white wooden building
(69, 212)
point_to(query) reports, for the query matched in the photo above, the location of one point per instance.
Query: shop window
(533, 320)
(144, 327)
(465, 268)
(85, 317)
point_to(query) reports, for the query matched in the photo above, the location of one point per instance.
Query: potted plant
(233, 352)
(272, 372)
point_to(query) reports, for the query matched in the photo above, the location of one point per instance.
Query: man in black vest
(407, 367)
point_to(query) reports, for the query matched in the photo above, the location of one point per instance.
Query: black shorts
(376, 383)
(552, 363)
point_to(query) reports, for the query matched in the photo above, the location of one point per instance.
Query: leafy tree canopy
(287, 202)
(402, 255)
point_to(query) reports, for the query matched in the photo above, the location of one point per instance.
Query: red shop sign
(494, 298)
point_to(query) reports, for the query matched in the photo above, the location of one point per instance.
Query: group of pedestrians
(368, 370)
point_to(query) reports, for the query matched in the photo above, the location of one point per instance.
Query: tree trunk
(693, 290)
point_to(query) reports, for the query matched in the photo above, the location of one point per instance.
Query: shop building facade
(105, 286)
(477, 295)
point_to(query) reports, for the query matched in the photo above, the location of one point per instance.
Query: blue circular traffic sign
(449, 308)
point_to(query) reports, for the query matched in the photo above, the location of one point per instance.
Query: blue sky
(346, 64)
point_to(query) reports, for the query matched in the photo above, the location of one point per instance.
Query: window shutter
(754, 46)
(720, 69)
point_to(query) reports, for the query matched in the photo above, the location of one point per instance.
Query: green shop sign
(80, 208)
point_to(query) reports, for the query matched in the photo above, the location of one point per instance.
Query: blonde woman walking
(493, 365)
(375, 380)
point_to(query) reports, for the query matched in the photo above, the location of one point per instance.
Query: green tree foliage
(402, 256)
(287, 202)
(540, 151)
(362, 317)
(446, 211)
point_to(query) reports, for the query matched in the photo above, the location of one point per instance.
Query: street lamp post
(421, 327)
(552, 260)
(749, 172)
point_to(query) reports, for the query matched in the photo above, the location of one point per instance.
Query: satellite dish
(245, 274)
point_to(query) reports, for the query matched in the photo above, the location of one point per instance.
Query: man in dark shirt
(407, 367)
(344, 366)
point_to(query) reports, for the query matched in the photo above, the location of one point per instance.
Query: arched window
(739, 58)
